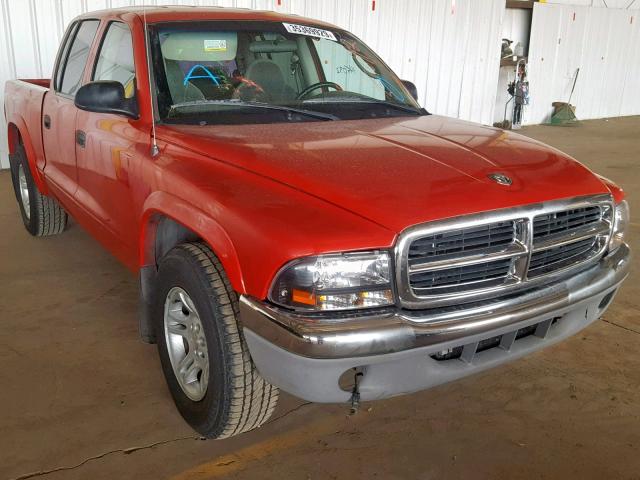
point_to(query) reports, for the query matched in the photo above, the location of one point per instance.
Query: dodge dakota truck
(296, 220)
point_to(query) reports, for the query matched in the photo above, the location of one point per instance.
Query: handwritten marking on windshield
(344, 69)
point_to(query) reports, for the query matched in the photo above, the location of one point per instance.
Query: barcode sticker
(309, 31)
(215, 45)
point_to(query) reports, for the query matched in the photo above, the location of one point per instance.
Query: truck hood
(397, 172)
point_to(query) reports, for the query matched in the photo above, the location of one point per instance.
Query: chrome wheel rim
(186, 344)
(24, 191)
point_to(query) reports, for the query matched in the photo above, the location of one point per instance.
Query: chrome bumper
(397, 351)
(365, 334)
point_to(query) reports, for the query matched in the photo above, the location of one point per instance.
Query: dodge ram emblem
(500, 178)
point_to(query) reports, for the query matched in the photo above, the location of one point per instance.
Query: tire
(192, 287)
(42, 216)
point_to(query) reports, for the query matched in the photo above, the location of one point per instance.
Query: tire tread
(47, 217)
(52, 219)
(252, 399)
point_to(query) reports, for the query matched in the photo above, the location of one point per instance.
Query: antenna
(154, 144)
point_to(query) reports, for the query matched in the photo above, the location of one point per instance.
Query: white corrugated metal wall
(625, 4)
(603, 42)
(449, 48)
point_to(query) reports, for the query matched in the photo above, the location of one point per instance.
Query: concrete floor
(82, 398)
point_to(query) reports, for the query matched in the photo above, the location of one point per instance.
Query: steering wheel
(316, 86)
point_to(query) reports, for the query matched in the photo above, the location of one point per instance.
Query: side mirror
(106, 97)
(410, 86)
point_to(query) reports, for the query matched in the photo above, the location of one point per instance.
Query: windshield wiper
(364, 99)
(265, 106)
(397, 106)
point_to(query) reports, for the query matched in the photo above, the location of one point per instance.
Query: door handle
(47, 121)
(81, 138)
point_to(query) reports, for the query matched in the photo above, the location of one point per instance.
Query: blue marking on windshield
(207, 72)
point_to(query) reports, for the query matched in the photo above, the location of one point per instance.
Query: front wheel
(205, 358)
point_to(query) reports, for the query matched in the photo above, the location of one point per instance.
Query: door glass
(77, 58)
(115, 61)
(63, 55)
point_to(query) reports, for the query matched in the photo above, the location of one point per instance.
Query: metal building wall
(602, 42)
(625, 4)
(449, 48)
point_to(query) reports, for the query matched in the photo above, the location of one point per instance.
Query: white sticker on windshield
(309, 31)
(215, 45)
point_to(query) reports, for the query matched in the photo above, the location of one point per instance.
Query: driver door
(106, 154)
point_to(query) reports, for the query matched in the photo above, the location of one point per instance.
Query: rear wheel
(205, 359)
(41, 215)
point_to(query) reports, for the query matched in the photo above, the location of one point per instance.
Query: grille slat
(547, 261)
(461, 278)
(459, 275)
(461, 241)
(557, 253)
(468, 243)
(562, 225)
(565, 221)
(557, 221)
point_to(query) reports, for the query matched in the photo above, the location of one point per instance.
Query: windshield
(229, 72)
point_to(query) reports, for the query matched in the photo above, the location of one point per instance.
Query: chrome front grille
(474, 257)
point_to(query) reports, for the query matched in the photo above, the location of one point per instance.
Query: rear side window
(63, 55)
(115, 61)
(76, 59)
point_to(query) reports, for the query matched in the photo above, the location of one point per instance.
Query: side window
(115, 61)
(64, 51)
(77, 57)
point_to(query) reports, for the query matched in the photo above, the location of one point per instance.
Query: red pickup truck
(296, 219)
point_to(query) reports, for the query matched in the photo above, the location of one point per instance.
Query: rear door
(59, 112)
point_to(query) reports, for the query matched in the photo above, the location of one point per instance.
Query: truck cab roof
(169, 13)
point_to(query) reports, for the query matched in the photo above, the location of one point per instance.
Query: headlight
(335, 282)
(620, 225)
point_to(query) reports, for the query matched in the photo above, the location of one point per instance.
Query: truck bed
(23, 100)
(41, 82)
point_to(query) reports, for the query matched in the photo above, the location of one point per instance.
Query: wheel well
(161, 235)
(168, 234)
(14, 138)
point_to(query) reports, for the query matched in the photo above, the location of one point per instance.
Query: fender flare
(196, 220)
(36, 173)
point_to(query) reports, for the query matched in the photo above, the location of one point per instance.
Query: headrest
(274, 46)
(200, 46)
(263, 70)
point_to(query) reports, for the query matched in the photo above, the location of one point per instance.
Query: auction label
(309, 31)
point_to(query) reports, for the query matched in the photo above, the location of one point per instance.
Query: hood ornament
(500, 178)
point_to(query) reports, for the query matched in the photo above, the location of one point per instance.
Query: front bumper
(306, 355)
